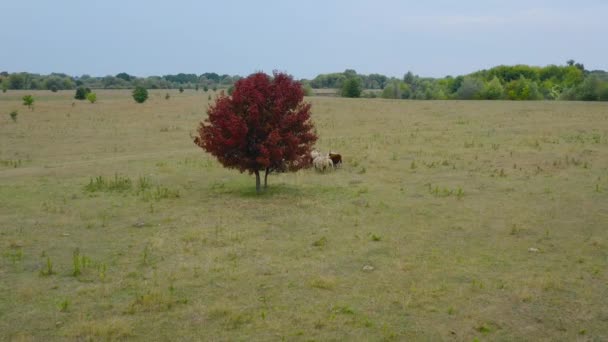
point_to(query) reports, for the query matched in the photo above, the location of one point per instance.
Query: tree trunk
(257, 181)
(266, 179)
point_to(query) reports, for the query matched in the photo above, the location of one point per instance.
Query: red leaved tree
(263, 126)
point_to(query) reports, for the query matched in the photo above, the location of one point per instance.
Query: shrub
(81, 93)
(92, 97)
(351, 87)
(307, 89)
(181, 89)
(167, 96)
(13, 115)
(205, 88)
(28, 100)
(140, 94)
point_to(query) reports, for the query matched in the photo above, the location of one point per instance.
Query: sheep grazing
(336, 158)
(314, 154)
(323, 163)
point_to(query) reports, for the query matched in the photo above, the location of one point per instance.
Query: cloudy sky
(304, 38)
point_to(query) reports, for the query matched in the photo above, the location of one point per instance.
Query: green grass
(448, 220)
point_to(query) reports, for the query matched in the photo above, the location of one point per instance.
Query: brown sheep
(336, 159)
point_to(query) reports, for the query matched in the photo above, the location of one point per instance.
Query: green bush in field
(92, 97)
(13, 115)
(351, 87)
(81, 93)
(28, 100)
(181, 89)
(140, 94)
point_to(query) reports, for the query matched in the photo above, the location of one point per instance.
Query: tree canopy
(263, 126)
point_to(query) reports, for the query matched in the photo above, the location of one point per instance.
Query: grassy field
(448, 221)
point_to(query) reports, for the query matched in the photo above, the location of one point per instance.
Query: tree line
(570, 81)
(60, 81)
(518, 82)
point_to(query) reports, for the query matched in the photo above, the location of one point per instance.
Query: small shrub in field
(28, 100)
(205, 88)
(92, 97)
(13, 115)
(351, 87)
(119, 183)
(167, 96)
(64, 305)
(181, 89)
(140, 94)
(196, 87)
(48, 269)
(81, 93)
(214, 88)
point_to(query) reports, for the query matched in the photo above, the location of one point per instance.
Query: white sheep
(322, 163)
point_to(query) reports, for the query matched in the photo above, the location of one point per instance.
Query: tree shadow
(275, 190)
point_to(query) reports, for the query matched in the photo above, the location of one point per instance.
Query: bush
(181, 89)
(167, 96)
(92, 97)
(13, 115)
(205, 88)
(81, 93)
(140, 94)
(351, 87)
(307, 89)
(28, 100)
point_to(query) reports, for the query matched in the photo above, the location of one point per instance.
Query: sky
(302, 38)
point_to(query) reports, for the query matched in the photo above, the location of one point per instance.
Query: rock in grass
(139, 224)
(368, 268)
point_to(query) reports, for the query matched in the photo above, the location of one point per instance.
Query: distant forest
(518, 82)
